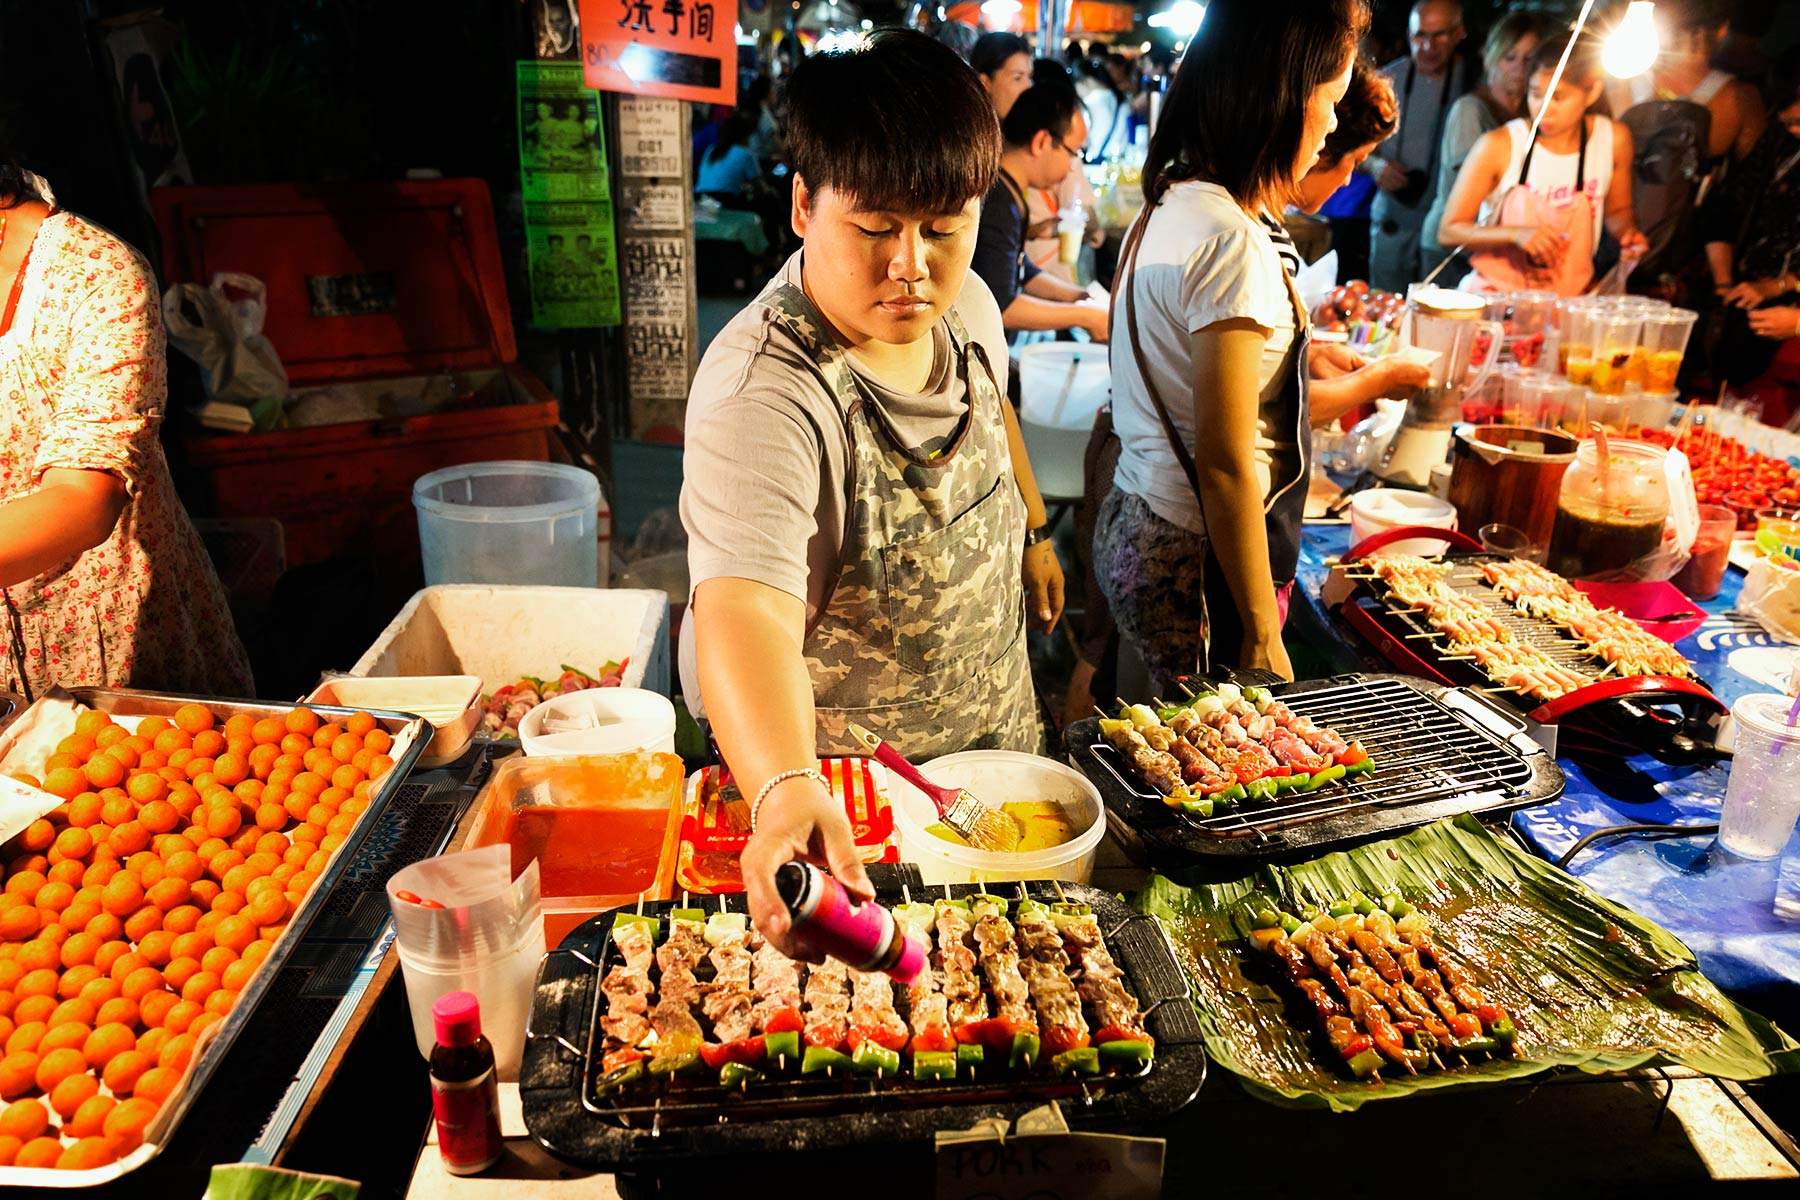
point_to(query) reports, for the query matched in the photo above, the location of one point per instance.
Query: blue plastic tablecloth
(1741, 918)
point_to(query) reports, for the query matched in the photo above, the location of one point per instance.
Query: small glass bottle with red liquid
(465, 1097)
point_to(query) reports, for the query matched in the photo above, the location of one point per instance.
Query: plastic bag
(220, 327)
(1771, 597)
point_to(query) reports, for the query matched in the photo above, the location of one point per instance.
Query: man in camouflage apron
(911, 643)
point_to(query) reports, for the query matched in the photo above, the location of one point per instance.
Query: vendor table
(1742, 919)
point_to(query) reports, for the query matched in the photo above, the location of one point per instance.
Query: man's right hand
(1391, 177)
(798, 819)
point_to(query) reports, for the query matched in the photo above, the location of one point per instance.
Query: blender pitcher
(1449, 325)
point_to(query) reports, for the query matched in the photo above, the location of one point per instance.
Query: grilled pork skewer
(873, 1017)
(776, 979)
(927, 1009)
(672, 1019)
(1013, 1029)
(954, 961)
(1046, 967)
(729, 1001)
(828, 1004)
(627, 988)
(1112, 1010)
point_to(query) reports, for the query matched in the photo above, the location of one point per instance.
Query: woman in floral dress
(104, 580)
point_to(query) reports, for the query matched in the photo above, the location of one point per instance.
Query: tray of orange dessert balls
(162, 857)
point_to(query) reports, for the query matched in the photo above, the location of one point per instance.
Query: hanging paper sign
(682, 49)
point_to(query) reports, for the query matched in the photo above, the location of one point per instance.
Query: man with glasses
(1404, 167)
(1043, 134)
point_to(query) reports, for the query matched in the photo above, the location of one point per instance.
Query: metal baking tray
(1439, 752)
(408, 744)
(562, 1059)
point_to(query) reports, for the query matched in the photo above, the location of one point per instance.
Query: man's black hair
(900, 123)
(1048, 105)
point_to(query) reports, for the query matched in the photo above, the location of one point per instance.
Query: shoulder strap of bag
(1125, 276)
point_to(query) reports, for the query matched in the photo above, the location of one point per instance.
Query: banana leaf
(1589, 984)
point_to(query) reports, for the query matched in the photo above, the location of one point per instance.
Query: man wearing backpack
(1688, 122)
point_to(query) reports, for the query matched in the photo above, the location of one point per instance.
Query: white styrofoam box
(502, 632)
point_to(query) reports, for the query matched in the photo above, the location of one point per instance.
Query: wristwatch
(1033, 536)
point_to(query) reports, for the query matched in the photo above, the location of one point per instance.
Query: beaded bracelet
(774, 781)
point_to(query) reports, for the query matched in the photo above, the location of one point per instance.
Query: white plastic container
(501, 633)
(1061, 386)
(1381, 509)
(509, 522)
(599, 721)
(997, 776)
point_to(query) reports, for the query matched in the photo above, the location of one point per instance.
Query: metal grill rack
(569, 1117)
(1673, 716)
(1438, 752)
(1465, 578)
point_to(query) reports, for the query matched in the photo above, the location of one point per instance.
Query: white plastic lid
(1767, 713)
(1396, 506)
(599, 721)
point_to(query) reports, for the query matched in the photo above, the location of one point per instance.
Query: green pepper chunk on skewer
(934, 1066)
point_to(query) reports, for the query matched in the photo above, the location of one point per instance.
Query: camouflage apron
(922, 638)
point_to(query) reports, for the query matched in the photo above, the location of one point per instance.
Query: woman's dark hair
(734, 130)
(15, 183)
(899, 123)
(1367, 114)
(1236, 110)
(1584, 59)
(993, 49)
(1048, 105)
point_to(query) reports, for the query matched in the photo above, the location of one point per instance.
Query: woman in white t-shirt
(1531, 209)
(1196, 545)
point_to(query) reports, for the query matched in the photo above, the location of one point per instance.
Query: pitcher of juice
(1609, 514)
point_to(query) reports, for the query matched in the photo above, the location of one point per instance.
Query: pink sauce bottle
(865, 936)
(465, 1098)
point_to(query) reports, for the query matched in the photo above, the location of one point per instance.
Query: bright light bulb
(1630, 49)
(1000, 13)
(1181, 18)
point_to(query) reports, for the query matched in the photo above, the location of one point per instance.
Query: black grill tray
(561, 1058)
(1439, 752)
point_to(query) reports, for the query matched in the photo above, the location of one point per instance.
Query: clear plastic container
(479, 930)
(997, 776)
(602, 828)
(1761, 802)
(509, 522)
(1606, 520)
(1615, 348)
(1665, 339)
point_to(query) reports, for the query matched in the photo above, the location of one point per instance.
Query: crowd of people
(867, 541)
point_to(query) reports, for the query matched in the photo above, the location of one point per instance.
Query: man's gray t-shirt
(765, 470)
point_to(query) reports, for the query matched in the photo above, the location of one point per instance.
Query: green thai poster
(563, 182)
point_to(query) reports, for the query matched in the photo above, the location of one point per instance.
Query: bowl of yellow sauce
(1059, 811)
